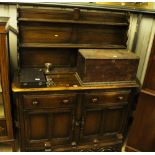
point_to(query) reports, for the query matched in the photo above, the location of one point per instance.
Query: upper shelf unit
(71, 28)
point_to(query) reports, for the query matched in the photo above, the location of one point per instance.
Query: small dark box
(106, 65)
(32, 77)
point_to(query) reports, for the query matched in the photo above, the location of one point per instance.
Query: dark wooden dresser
(66, 115)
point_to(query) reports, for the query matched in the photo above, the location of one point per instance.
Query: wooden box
(106, 65)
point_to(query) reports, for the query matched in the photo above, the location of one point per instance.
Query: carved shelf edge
(72, 21)
(47, 45)
(16, 88)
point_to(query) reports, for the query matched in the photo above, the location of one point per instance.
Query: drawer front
(3, 128)
(107, 98)
(49, 101)
(46, 34)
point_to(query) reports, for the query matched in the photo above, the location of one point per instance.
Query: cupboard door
(99, 123)
(52, 127)
(91, 124)
(114, 119)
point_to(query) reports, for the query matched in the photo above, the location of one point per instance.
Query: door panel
(101, 122)
(113, 121)
(92, 122)
(52, 127)
(38, 126)
(62, 125)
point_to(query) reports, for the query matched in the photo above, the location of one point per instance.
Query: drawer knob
(77, 123)
(119, 136)
(35, 102)
(95, 141)
(65, 101)
(120, 97)
(48, 147)
(73, 144)
(94, 100)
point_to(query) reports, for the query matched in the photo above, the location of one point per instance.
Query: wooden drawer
(55, 33)
(3, 128)
(48, 101)
(107, 97)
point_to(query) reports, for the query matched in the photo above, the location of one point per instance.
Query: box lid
(107, 54)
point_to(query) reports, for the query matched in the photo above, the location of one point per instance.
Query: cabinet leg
(14, 147)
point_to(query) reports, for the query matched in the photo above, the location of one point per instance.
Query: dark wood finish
(107, 97)
(3, 128)
(141, 136)
(64, 79)
(142, 133)
(65, 119)
(56, 56)
(44, 101)
(72, 28)
(106, 65)
(71, 21)
(54, 126)
(102, 122)
(70, 14)
(66, 115)
(82, 34)
(74, 45)
(6, 126)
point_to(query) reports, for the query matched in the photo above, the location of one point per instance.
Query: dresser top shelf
(72, 21)
(65, 45)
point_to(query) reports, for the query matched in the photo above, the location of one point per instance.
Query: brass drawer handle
(35, 102)
(94, 100)
(120, 98)
(65, 101)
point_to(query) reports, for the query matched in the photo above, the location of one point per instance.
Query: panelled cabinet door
(102, 122)
(48, 129)
(91, 124)
(114, 118)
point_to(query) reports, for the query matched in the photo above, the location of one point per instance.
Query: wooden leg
(14, 148)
